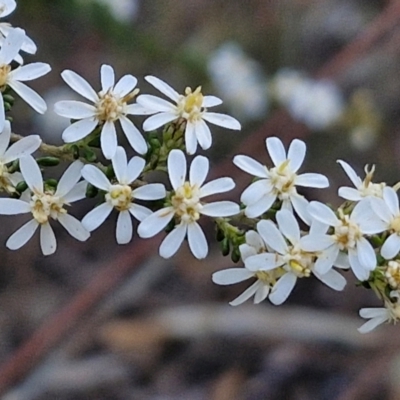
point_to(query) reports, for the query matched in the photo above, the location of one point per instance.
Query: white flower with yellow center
(379, 315)
(363, 189)
(110, 105)
(14, 78)
(120, 195)
(191, 107)
(46, 204)
(280, 181)
(348, 237)
(23, 147)
(186, 206)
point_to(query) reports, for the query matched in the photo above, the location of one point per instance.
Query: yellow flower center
(395, 224)
(110, 107)
(4, 71)
(347, 234)
(392, 274)
(282, 178)
(190, 105)
(269, 278)
(120, 197)
(5, 181)
(45, 206)
(186, 202)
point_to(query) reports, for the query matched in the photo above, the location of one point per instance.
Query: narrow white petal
(300, 205)
(135, 138)
(355, 179)
(177, 168)
(246, 294)
(226, 121)
(254, 239)
(326, 260)
(155, 104)
(30, 71)
(190, 138)
(203, 134)
(256, 190)
(155, 223)
(372, 324)
(74, 109)
(2, 114)
(152, 191)
(231, 276)
(296, 154)
(22, 235)
(219, 185)
(23, 147)
(107, 77)
(173, 241)
(13, 206)
(289, 226)
(358, 269)
(108, 140)
(322, 213)
(197, 241)
(391, 199)
(332, 279)
(124, 230)
(261, 294)
(31, 172)
(93, 219)
(349, 193)
(211, 101)
(120, 165)
(272, 236)
(139, 212)
(366, 254)
(73, 227)
(79, 130)
(5, 138)
(276, 150)
(376, 312)
(316, 242)
(8, 6)
(80, 85)
(48, 241)
(262, 261)
(135, 168)
(342, 261)
(96, 177)
(381, 209)
(391, 247)
(251, 166)
(155, 121)
(254, 210)
(69, 179)
(30, 96)
(282, 289)
(137, 109)
(11, 45)
(198, 170)
(163, 87)
(312, 180)
(125, 85)
(220, 209)
(78, 192)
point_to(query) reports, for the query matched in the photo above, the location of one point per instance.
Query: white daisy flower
(186, 206)
(349, 236)
(45, 204)
(387, 209)
(363, 189)
(192, 107)
(110, 105)
(14, 78)
(379, 315)
(120, 195)
(279, 182)
(23, 147)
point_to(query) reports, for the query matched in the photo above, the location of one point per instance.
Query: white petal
(173, 241)
(5, 138)
(30, 96)
(254, 239)
(124, 227)
(355, 179)
(261, 262)
(155, 121)
(288, 226)
(176, 168)
(366, 254)
(11, 45)
(139, 212)
(226, 121)
(322, 213)
(31, 172)
(197, 241)
(231, 276)
(211, 101)
(377, 312)
(125, 85)
(358, 269)
(316, 243)
(22, 235)
(250, 166)
(23, 147)
(120, 165)
(256, 190)
(381, 209)
(261, 294)
(80, 85)
(79, 130)
(276, 150)
(96, 177)
(155, 223)
(74, 109)
(282, 289)
(391, 199)
(107, 77)
(254, 210)
(13, 206)
(190, 138)
(272, 236)
(135, 168)
(48, 241)
(108, 140)
(2, 114)
(326, 260)
(372, 324)
(93, 219)
(152, 191)
(8, 6)
(69, 179)
(220, 185)
(220, 209)
(349, 193)
(312, 180)
(246, 294)
(391, 247)
(296, 154)
(137, 109)
(78, 192)
(203, 134)
(198, 170)
(133, 135)
(155, 104)
(332, 279)
(73, 227)
(30, 71)
(300, 205)
(163, 87)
